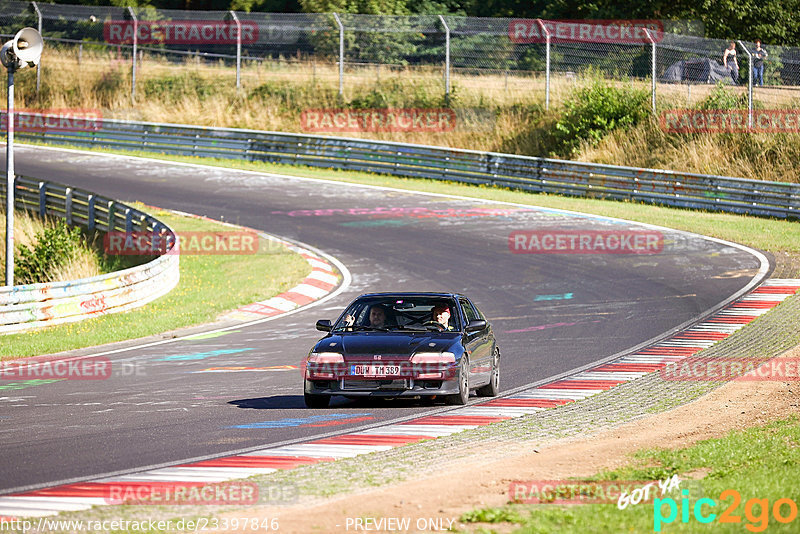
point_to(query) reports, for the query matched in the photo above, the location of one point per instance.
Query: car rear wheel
(462, 396)
(493, 387)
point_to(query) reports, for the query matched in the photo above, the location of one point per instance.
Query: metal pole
(652, 70)
(547, 64)
(446, 58)
(749, 85)
(238, 48)
(38, 65)
(135, 46)
(10, 181)
(341, 53)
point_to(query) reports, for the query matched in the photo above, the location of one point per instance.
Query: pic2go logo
(758, 521)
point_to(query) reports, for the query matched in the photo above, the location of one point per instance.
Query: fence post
(749, 85)
(238, 48)
(90, 222)
(38, 65)
(11, 178)
(652, 70)
(42, 199)
(547, 64)
(133, 56)
(111, 221)
(341, 53)
(446, 59)
(68, 206)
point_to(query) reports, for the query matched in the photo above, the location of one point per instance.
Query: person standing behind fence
(758, 63)
(729, 60)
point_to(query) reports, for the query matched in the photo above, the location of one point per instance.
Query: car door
(487, 338)
(479, 355)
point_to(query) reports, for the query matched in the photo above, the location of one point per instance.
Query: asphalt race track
(551, 313)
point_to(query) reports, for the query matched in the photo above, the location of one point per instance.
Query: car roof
(407, 294)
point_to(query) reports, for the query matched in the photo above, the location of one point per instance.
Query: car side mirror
(476, 325)
(324, 325)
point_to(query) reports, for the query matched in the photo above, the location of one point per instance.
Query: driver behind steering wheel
(441, 315)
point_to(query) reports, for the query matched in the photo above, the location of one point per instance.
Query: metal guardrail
(539, 175)
(25, 307)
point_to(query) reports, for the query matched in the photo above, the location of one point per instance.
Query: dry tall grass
(83, 264)
(511, 119)
(766, 156)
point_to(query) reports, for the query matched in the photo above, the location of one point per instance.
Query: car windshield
(398, 313)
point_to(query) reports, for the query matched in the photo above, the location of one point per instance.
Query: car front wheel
(493, 387)
(462, 396)
(316, 401)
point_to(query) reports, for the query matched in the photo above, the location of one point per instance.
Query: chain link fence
(536, 55)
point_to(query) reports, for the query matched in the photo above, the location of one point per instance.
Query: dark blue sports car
(404, 345)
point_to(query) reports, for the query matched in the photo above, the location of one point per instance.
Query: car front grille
(374, 384)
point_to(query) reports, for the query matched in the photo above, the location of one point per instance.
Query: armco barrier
(26, 307)
(541, 175)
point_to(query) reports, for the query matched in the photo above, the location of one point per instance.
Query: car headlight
(433, 357)
(325, 357)
(324, 365)
(433, 365)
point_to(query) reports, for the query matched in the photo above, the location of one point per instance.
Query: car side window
(478, 312)
(469, 311)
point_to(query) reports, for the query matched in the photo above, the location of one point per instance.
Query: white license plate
(374, 370)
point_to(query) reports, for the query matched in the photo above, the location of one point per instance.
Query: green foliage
(721, 98)
(493, 515)
(54, 247)
(266, 6)
(177, 87)
(395, 94)
(592, 112)
(371, 7)
(389, 93)
(772, 22)
(293, 97)
(107, 88)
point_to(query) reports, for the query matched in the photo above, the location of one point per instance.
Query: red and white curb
(84, 495)
(315, 286)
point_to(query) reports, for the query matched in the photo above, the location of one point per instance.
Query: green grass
(209, 285)
(759, 463)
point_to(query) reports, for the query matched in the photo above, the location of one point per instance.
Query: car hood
(390, 344)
